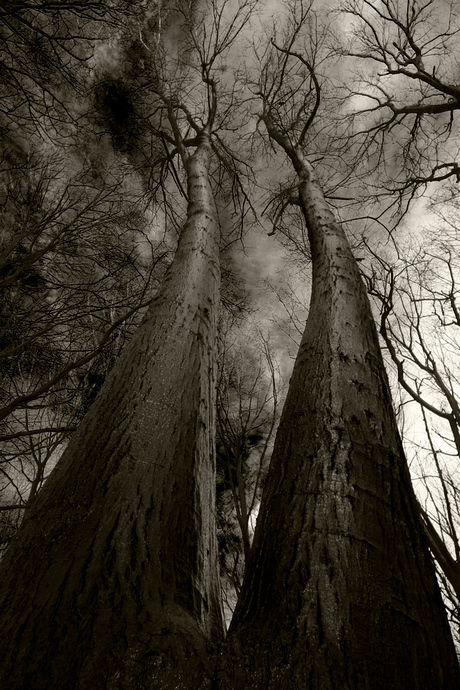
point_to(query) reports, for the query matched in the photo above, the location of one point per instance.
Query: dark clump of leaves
(116, 112)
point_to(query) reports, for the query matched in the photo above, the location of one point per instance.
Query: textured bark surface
(112, 581)
(340, 590)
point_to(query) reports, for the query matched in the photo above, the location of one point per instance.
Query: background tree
(404, 101)
(73, 271)
(249, 396)
(46, 51)
(73, 277)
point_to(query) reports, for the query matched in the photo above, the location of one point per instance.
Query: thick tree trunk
(112, 581)
(340, 591)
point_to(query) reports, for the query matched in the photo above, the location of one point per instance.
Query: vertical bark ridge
(340, 591)
(112, 581)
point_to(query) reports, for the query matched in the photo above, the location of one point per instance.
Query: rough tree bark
(112, 581)
(340, 590)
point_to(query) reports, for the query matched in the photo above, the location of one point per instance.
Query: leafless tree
(405, 99)
(338, 489)
(141, 466)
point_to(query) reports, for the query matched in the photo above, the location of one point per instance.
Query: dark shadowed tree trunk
(340, 591)
(112, 581)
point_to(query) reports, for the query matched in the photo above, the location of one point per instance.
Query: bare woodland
(182, 505)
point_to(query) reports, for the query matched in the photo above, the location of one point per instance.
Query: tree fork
(112, 580)
(340, 591)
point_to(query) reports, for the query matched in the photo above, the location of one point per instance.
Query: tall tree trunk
(340, 590)
(112, 581)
